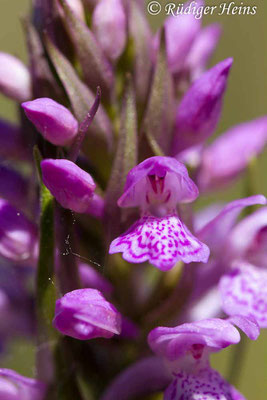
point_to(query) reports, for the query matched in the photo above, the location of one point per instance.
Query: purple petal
(91, 278)
(96, 206)
(142, 378)
(18, 236)
(202, 49)
(70, 185)
(200, 108)
(228, 155)
(54, 121)
(161, 241)
(135, 188)
(248, 325)
(208, 384)
(174, 343)
(244, 292)
(109, 26)
(16, 387)
(85, 314)
(15, 79)
(216, 231)
(248, 239)
(181, 31)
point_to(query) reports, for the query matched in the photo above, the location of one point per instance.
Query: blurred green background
(244, 39)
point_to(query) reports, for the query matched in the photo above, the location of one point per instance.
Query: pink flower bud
(109, 25)
(55, 122)
(15, 80)
(84, 314)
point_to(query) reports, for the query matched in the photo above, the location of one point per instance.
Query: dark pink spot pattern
(244, 292)
(161, 241)
(208, 384)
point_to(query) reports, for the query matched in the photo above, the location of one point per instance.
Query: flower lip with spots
(156, 186)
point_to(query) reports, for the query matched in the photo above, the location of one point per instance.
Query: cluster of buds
(96, 175)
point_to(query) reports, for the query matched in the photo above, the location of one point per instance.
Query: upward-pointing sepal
(199, 111)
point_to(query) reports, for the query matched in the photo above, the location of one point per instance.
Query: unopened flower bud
(72, 187)
(85, 314)
(200, 108)
(55, 122)
(109, 24)
(15, 80)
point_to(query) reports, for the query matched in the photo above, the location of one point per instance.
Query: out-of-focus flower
(91, 278)
(186, 349)
(181, 31)
(218, 233)
(199, 111)
(72, 187)
(140, 379)
(109, 25)
(188, 46)
(16, 305)
(244, 292)
(55, 122)
(156, 186)
(18, 236)
(85, 314)
(202, 49)
(230, 154)
(13, 187)
(15, 79)
(17, 387)
(248, 239)
(11, 141)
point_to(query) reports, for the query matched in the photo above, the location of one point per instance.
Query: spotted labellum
(156, 186)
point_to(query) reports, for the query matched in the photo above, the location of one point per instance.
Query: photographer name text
(193, 8)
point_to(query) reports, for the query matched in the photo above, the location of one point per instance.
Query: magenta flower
(248, 239)
(202, 49)
(181, 31)
(199, 111)
(207, 384)
(189, 47)
(230, 154)
(109, 24)
(186, 349)
(15, 79)
(54, 121)
(244, 292)
(18, 236)
(156, 186)
(72, 187)
(85, 314)
(225, 238)
(16, 387)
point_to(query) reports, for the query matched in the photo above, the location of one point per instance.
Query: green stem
(46, 291)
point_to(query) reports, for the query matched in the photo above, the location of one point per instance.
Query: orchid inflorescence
(94, 176)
